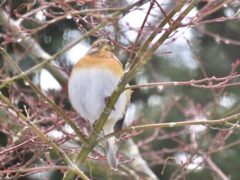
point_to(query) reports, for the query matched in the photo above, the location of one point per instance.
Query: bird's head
(102, 46)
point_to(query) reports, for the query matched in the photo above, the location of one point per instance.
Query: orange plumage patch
(101, 63)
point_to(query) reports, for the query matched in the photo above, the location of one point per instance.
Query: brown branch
(177, 124)
(194, 83)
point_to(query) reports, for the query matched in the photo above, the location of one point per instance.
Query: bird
(92, 81)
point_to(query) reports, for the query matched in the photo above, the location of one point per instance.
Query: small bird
(92, 81)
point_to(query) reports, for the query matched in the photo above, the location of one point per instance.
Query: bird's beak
(109, 45)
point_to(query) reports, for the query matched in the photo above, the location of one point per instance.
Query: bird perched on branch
(93, 79)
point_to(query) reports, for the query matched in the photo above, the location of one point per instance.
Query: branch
(217, 170)
(45, 98)
(44, 137)
(223, 121)
(35, 50)
(194, 83)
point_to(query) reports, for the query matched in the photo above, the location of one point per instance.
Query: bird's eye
(100, 44)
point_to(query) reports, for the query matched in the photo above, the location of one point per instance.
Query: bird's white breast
(89, 89)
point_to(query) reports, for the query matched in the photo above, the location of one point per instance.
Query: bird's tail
(110, 153)
(110, 149)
